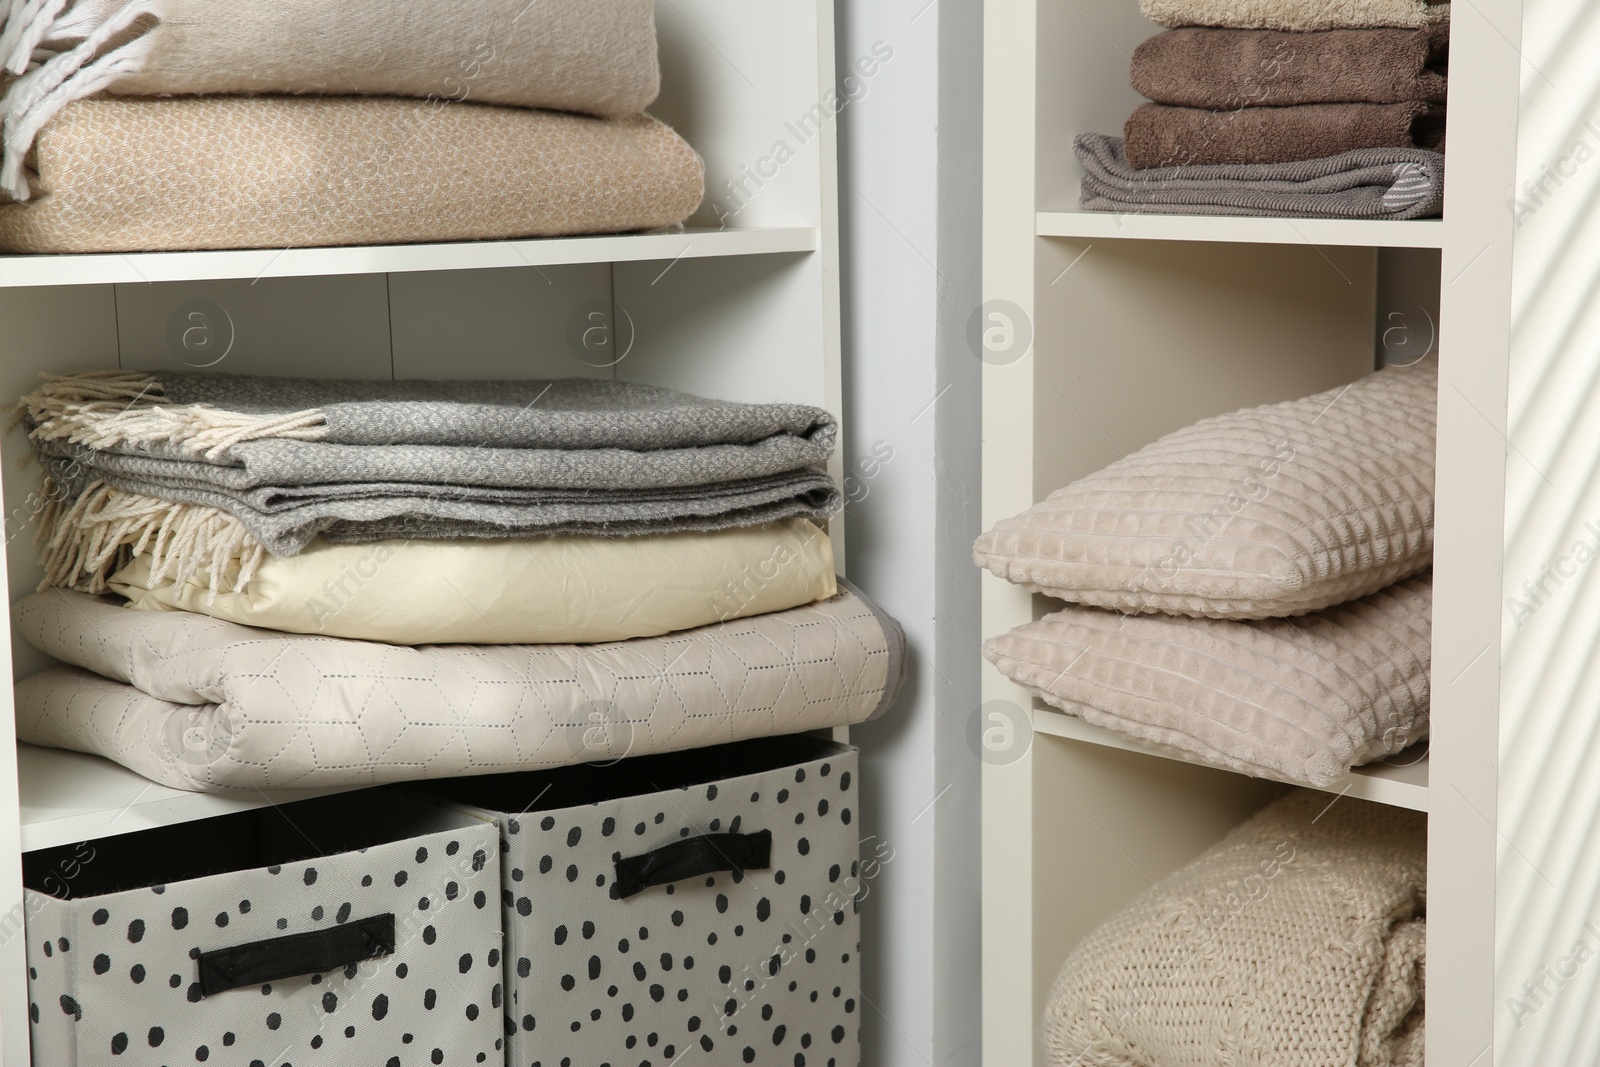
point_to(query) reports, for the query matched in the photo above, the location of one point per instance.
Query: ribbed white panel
(1548, 884)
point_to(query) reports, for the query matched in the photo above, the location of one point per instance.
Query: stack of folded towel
(136, 125)
(1251, 592)
(1281, 107)
(1298, 941)
(590, 568)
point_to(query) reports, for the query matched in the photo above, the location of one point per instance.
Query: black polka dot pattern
(104, 948)
(718, 969)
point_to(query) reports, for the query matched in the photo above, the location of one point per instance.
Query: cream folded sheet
(199, 703)
(561, 590)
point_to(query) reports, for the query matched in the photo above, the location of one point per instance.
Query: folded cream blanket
(595, 56)
(1297, 941)
(542, 590)
(137, 175)
(208, 468)
(198, 703)
(1295, 14)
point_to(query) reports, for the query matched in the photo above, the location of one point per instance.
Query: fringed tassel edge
(87, 541)
(48, 78)
(105, 409)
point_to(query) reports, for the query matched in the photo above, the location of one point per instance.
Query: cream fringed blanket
(198, 703)
(251, 172)
(1298, 941)
(593, 56)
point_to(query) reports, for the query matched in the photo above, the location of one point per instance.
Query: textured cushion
(1296, 942)
(544, 590)
(1300, 700)
(1265, 512)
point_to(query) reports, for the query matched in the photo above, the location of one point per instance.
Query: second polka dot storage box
(361, 929)
(693, 908)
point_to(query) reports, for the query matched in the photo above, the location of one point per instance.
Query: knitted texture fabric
(199, 703)
(1225, 69)
(1295, 15)
(1157, 135)
(592, 56)
(1297, 941)
(1372, 183)
(1265, 512)
(1297, 700)
(135, 175)
(206, 466)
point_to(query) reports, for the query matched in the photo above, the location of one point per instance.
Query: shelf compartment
(254, 264)
(68, 797)
(1402, 784)
(1365, 233)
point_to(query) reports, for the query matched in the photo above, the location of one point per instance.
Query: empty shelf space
(69, 796)
(1373, 233)
(394, 259)
(1403, 783)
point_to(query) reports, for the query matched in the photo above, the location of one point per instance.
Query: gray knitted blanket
(1370, 183)
(206, 467)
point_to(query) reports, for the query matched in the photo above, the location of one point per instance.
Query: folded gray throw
(1370, 183)
(201, 466)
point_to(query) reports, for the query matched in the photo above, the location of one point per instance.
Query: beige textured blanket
(114, 175)
(1298, 941)
(593, 56)
(1295, 14)
(198, 703)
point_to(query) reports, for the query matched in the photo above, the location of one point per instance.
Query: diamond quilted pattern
(200, 703)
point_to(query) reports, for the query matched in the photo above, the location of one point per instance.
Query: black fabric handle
(693, 856)
(313, 952)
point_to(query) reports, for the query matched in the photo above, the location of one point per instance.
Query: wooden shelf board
(1375, 233)
(394, 259)
(1402, 784)
(68, 797)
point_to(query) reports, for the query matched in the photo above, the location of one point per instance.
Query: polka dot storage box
(355, 929)
(692, 908)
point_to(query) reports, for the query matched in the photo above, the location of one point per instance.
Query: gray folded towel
(1369, 183)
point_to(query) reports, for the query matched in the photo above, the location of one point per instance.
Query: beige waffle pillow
(1297, 941)
(1266, 512)
(1298, 700)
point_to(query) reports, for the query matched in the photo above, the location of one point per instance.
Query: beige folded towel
(1298, 941)
(131, 175)
(1295, 14)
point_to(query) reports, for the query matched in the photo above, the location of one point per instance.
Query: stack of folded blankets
(1253, 592)
(138, 125)
(278, 583)
(1298, 941)
(1281, 107)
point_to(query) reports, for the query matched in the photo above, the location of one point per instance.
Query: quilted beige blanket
(1298, 941)
(593, 56)
(198, 703)
(131, 175)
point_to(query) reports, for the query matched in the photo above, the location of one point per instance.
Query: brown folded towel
(1161, 136)
(1225, 69)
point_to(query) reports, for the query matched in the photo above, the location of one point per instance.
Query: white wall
(910, 207)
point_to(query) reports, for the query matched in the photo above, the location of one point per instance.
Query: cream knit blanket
(1298, 941)
(593, 56)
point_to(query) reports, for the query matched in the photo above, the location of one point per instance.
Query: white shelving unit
(1142, 324)
(742, 304)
